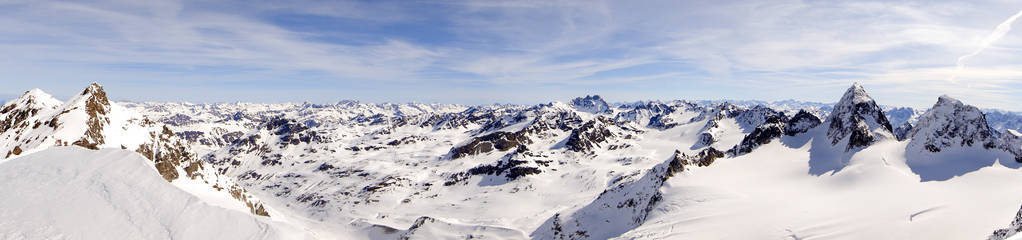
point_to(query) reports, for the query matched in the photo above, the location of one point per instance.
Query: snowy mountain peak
(945, 99)
(950, 123)
(41, 97)
(18, 113)
(858, 119)
(591, 104)
(34, 98)
(856, 94)
(95, 106)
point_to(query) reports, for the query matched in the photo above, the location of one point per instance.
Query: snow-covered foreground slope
(75, 193)
(768, 194)
(583, 169)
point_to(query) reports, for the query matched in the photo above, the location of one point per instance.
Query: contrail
(999, 32)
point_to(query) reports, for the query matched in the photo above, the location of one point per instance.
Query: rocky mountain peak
(34, 99)
(93, 99)
(855, 95)
(591, 104)
(16, 113)
(93, 87)
(800, 123)
(41, 97)
(1011, 141)
(96, 106)
(857, 118)
(948, 100)
(950, 123)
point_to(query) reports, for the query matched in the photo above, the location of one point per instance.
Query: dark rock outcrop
(589, 136)
(858, 119)
(951, 123)
(800, 123)
(773, 128)
(901, 132)
(501, 141)
(1011, 230)
(96, 107)
(704, 157)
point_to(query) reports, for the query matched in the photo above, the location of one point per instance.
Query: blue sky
(480, 52)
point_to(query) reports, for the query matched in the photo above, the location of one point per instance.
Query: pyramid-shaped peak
(92, 93)
(855, 94)
(94, 88)
(37, 98)
(591, 104)
(35, 92)
(93, 99)
(858, 119)
(950, 123)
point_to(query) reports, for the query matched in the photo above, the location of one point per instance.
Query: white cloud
(772, 49)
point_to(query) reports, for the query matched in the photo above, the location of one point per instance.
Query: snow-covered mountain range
(584, 169)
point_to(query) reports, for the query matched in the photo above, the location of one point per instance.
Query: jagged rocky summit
(857, 121)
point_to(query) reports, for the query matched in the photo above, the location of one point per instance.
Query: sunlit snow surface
(799, 187)
(769, 195)
(382, 171)
(74, 193)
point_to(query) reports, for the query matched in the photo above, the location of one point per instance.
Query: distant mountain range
(581, 169)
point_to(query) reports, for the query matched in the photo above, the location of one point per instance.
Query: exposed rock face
(858, 119)
(1011, 230)
(170, 154)
(704, 157)
(37, 120)
(514, 165)
(656, 115)
(800, 123)
(501, 141)
(773, 128)
(705, 139)
(901, 132)
(91, 121)
(623, 206)
(291, 131)
(96, 106)
(950, 123)
(747, 118)
(591, 104)
(676, 164)
(16, 112)
(589, 135)
(1011, 142)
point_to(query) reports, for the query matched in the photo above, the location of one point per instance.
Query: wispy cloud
(998, 33)
(384, 50)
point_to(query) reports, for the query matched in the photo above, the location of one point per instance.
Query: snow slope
(577, 170)
(74, 193)
(768, 194)
(36, 122)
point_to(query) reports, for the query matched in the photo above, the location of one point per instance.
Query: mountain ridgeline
(584, 169)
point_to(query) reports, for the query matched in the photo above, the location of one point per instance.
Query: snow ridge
(583, 170)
